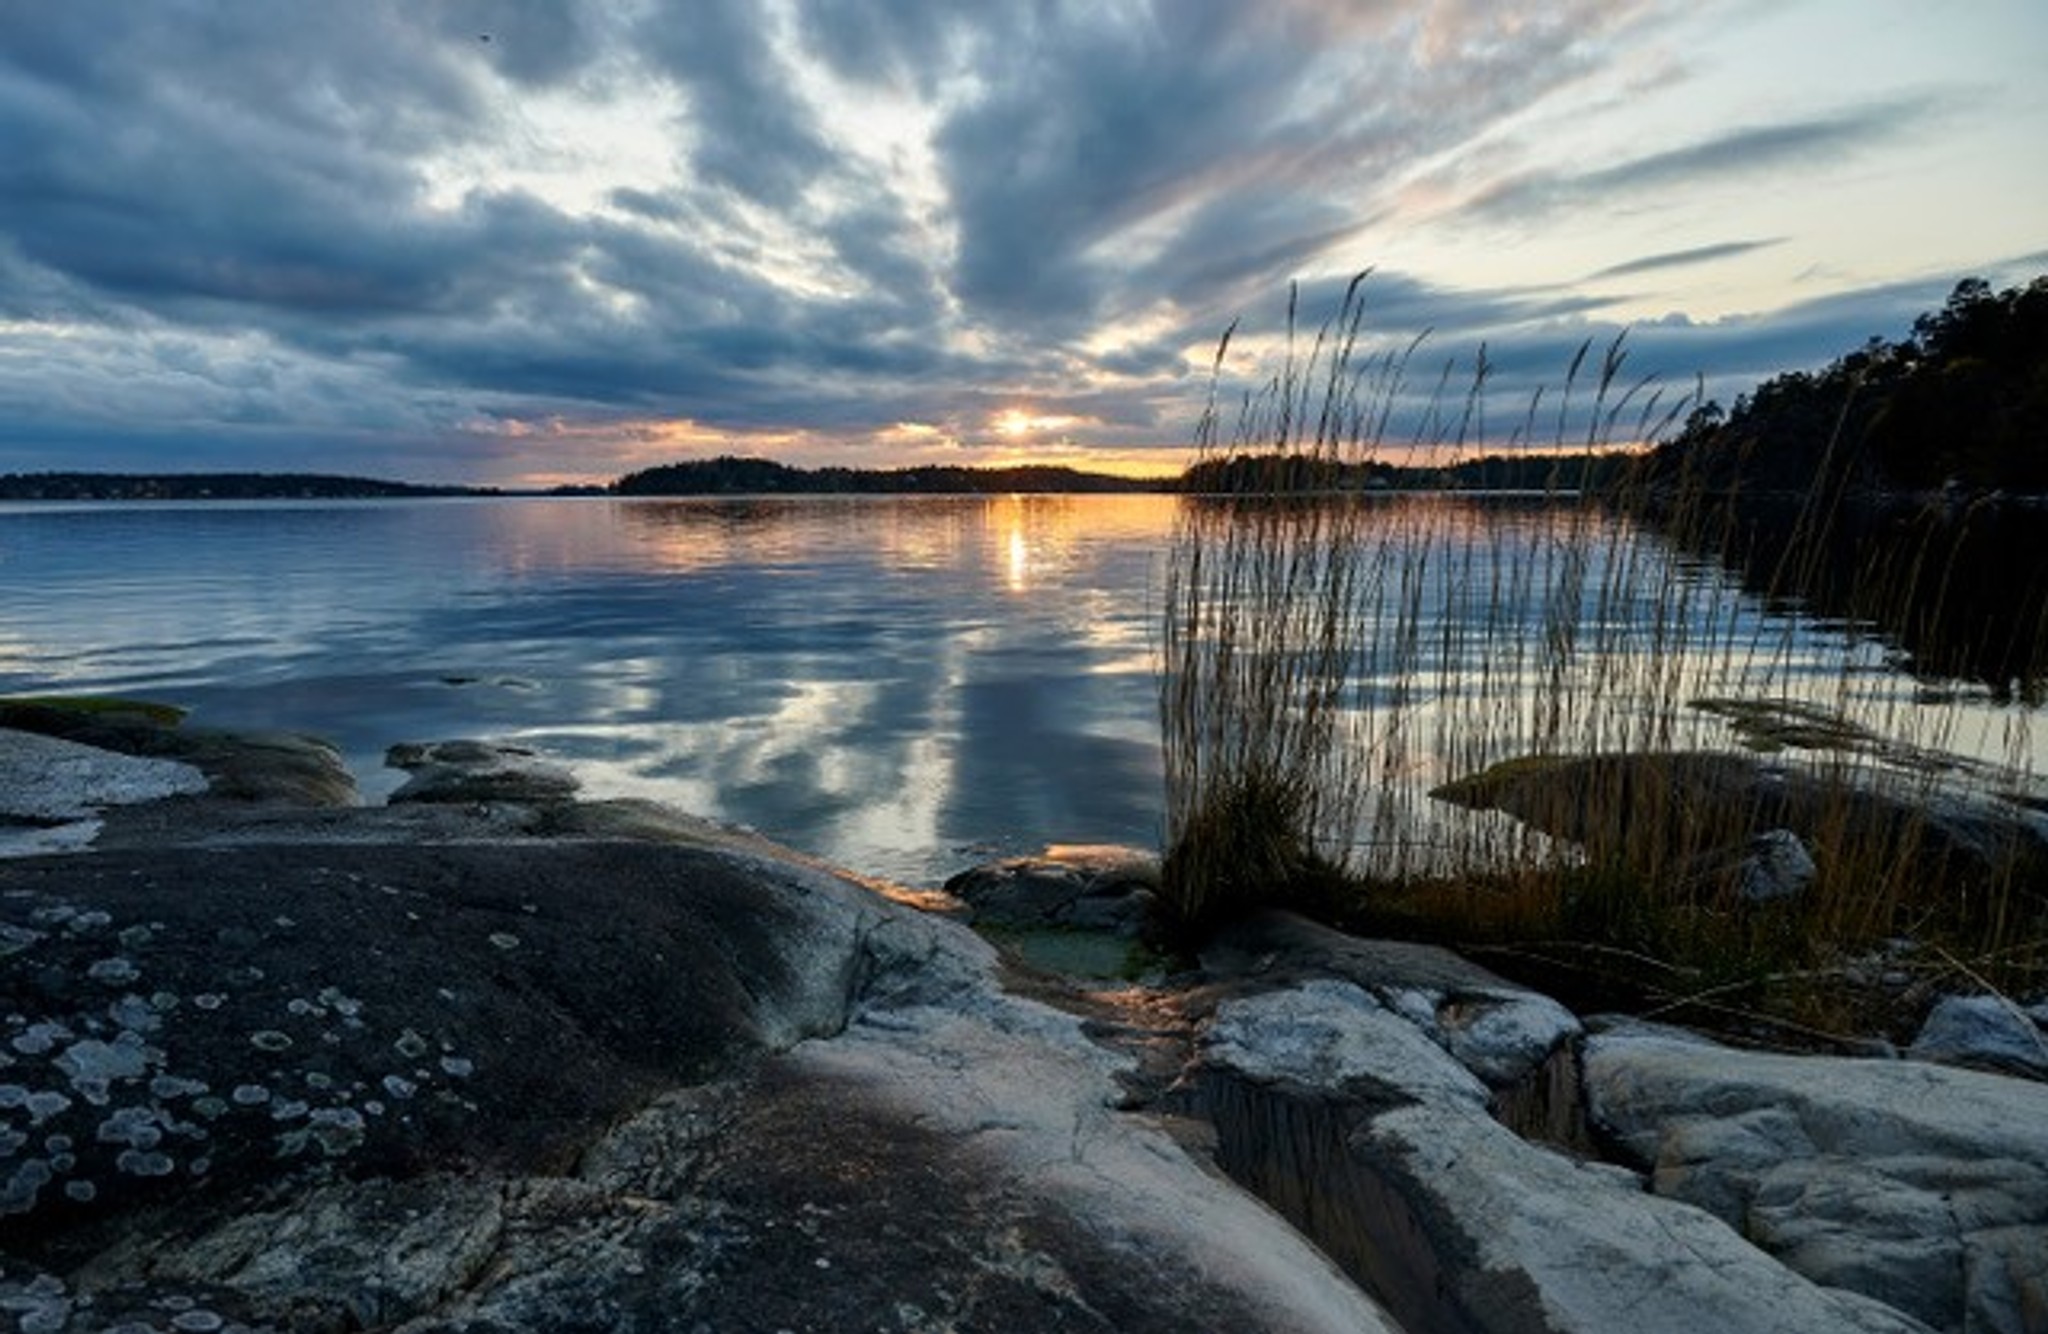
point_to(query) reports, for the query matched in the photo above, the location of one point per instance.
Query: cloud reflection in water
(898, 684)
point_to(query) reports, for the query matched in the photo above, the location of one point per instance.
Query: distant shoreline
(75, 486)
(763, 478)
(759, 479)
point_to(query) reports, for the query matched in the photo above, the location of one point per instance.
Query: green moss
(1092, 955)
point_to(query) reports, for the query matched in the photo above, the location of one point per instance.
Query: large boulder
(1922, 1186)
(452, 1067)
(1378, 1144)
(186, 1019)
(1502, 1033)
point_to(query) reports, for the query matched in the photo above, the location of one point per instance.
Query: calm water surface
(903, 685)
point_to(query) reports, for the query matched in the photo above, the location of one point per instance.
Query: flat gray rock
(1502, 1033)
(280, 767)
(1922, 1186)
(48, 779)
(53, 791)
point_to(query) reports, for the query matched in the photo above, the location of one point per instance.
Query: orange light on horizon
(1016, 423)
(1137, 464)
(548, 452)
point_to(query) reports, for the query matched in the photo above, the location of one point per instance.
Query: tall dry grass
(1337, 661)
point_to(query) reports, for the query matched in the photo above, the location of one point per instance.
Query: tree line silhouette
(731, 476)
(1961, 402)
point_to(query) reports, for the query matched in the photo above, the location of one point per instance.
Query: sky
(529, 242)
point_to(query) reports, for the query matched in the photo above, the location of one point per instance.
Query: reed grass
(1334, 659)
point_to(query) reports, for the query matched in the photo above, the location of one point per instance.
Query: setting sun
(1016, 423)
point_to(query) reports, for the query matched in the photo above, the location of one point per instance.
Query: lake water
(902, 685)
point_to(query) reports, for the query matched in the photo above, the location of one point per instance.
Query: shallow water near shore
(904, 685)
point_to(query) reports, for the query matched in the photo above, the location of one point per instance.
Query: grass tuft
(1509, 722)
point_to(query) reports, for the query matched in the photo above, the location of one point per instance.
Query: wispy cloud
(1755, 151)
(1680, 259)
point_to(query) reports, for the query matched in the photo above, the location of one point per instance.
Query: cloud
(1752, 151)
(1531, 339)
(179, 163)
(436, 238)
(1678, 259)
(909, 43)
(748, 133)
(538, 43)
(1204, 147)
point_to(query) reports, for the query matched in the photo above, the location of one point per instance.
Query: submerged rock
(482, 771)
(1083, 888)
(1734, 819)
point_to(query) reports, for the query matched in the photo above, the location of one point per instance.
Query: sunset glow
(1016, 423)
(611, 237)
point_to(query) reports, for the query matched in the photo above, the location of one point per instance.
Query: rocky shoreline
(491, 1057)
